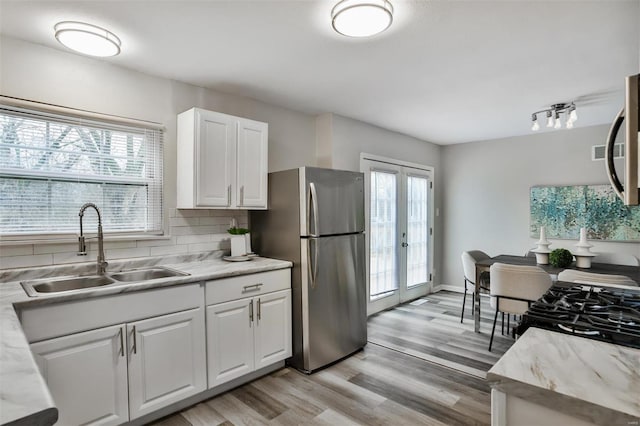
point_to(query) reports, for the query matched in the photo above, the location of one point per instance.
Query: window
(50, 165)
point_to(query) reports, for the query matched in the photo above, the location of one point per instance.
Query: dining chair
(617, 259)
(514, 287)
(469, 259)
(571, 275)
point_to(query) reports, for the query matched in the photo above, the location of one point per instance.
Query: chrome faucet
(82, 247)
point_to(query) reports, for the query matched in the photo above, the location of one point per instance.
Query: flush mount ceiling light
(361, 18)
(553, 116)
(88, 39)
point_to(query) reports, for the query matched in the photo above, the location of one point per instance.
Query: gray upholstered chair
(469, 259)
(571, 275)
(514, 287)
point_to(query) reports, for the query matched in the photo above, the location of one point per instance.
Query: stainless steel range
(596, 312)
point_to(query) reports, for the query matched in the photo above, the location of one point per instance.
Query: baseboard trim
(454, 288)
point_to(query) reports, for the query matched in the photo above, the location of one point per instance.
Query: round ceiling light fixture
(361, 18)
(87, 39)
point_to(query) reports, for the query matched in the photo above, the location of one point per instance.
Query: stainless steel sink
(66, 284)
(44, 286)
(146, 274)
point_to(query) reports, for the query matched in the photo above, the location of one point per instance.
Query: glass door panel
(383, 241)
(417, 230)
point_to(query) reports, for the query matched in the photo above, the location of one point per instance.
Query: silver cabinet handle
(135, 344)
(252, 287)
(259, 316)
(250, 312)
(121, 342)
(229, 195)
(241, 203)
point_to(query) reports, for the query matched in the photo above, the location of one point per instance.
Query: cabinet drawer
(227, 289)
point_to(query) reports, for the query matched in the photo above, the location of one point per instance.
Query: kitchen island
(554, 378)
(24, 395)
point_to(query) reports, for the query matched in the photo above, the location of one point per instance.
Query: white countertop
(24, 396)
(585, 378)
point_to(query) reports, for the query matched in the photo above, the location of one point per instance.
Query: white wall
(348, 138)
(486, 191)
(44, 74)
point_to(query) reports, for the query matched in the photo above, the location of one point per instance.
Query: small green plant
(560, 258)
(237, 231)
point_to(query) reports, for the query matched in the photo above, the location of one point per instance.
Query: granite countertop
(592, 380)
(24, 396)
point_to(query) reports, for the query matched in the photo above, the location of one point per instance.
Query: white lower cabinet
(167, 360)
(230, 341)
(272, 334)
(87, 376)
(247, 334)
(114, 374)
(107, 366)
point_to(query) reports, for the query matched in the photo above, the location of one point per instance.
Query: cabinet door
(166, 360)
(87, 376)
(215, 159)
(229, 340)
(251, 189)
(273, 330)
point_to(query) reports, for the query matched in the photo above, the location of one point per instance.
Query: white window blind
(51, 164)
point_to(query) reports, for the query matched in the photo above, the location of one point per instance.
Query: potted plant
(560, 258)
(240, 241)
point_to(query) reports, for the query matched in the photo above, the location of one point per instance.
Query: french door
(399, 232)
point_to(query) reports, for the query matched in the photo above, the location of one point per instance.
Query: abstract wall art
(563, 210)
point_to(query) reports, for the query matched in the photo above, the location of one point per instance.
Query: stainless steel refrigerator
(316, 219)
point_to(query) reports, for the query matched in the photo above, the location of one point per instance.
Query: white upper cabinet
(222, 161)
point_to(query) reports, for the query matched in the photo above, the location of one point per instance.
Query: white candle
(583, 235)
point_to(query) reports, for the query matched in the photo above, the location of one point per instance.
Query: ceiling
(445, 72)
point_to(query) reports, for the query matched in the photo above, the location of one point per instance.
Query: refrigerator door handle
(313, 264)
(313, 200)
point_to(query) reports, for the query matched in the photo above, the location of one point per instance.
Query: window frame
(153, 180)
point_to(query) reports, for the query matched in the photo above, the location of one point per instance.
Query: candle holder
(583, 254)
(542, 251)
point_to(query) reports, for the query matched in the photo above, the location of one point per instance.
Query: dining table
(632, 272)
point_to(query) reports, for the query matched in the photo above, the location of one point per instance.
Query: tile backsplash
(190, 231)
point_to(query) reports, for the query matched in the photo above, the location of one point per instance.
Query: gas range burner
(602, 313)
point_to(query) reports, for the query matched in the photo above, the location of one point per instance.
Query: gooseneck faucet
(82, 247)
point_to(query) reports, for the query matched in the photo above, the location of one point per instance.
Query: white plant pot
(238, 245)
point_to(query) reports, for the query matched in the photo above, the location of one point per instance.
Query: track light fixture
(553, 116)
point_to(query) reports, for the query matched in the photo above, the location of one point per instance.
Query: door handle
(229, 195)
(250, 312)
(259, 309)
(241, 203)
(608, 153)
(313, 262)
(313, 200)
(121, 342)
(135, 343)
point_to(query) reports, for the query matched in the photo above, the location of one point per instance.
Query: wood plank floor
(420, 367)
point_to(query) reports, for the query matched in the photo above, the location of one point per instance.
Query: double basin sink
(73, 284)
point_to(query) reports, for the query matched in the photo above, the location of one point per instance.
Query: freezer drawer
(334, 311)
